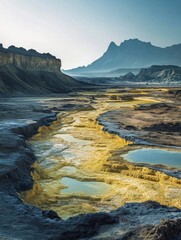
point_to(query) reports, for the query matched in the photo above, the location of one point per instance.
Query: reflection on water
(68, 169)
(71, 139)
(88, 188)
(154, 156)
(75, 147)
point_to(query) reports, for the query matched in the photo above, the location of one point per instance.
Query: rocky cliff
(167, 74)
(29, 60)
(25, 72)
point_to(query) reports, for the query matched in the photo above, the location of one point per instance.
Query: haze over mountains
(25, 72)
(133, 54)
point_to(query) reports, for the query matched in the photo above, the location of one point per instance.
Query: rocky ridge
(29, 60)
(25, 72)
(165, 74)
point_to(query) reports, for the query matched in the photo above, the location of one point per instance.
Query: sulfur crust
(97, 162)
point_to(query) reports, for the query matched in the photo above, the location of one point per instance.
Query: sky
(79, 31)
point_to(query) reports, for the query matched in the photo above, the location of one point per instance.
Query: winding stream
(71, 175)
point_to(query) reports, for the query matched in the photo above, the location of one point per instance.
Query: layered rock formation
(25, 72)
(29, 60)
(155, 74)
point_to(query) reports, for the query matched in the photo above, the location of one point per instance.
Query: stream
(70, 174)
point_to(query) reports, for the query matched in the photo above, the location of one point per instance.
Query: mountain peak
(134, 53)
(112, 46)
(134, 41)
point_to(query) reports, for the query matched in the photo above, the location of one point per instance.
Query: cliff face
(30, 63)
(156, 73)
(25, 73)
(29, 60)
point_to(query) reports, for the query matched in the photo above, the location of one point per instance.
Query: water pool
(88, 188)
(154, 156)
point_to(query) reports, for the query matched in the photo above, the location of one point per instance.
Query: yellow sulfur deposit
(78, 141)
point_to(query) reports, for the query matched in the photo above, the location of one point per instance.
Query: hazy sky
(79, 31)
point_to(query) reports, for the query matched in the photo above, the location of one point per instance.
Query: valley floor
(83, 149)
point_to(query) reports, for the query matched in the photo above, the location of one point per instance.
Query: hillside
(167, 74)
(132, 53)
(25, 72)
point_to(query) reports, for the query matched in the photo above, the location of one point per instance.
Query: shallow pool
(88, 188)
(154, 156)
(69, 138)
(68, 169)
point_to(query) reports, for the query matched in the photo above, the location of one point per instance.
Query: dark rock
(165, 127)
(50, 214)
(25, 73)
(128, 77)
(86, 225)
(160, 74)
(153, 106)
(129, 127)
(166, 230)
(113, 97)
(127, 98)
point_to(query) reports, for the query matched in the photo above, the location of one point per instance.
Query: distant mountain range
(156, 74)
(133, 54)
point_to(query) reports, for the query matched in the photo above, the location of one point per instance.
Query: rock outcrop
(25, 72)
(29, 60)
(155, 74)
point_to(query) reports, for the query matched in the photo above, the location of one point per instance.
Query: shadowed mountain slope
(132, 53)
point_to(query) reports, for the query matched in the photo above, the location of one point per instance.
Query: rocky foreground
(152, 124)
(148, 220)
